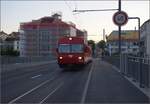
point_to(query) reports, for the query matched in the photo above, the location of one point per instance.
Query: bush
(9, 52)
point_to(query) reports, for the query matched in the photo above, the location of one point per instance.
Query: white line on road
(41, 74)
(51, 93)
(86, 86)
(36, 76)
(30, 90)
(17, 63)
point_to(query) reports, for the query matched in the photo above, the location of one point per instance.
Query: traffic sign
(120, 18)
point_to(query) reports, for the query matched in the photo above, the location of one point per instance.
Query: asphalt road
(97, 82)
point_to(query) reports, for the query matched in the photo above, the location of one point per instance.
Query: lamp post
(138, 28)
(138, 24)
(140, 59)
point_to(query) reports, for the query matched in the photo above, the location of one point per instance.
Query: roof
(13, 36)
(3, 35)
(127, 35)
(46, 22)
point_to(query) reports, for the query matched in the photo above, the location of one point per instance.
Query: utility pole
(104, 34)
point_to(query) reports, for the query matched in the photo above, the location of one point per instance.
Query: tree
(102, 44)
(9, 52)
(92, 44)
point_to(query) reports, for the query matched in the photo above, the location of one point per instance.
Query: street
(97, 82)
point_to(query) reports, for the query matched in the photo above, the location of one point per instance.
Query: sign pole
(119, 30)
(119, 34)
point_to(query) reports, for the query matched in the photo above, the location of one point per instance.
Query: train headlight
(70, 38)
(79, 58)
(60, 57)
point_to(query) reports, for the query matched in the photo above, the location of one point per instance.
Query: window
(76, 48)
(123, 49)
(70, 48)
(64, 48)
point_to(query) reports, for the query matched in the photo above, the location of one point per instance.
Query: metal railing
(137, 68)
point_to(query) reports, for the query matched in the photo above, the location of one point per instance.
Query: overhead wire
(68, 5)
(71, 10)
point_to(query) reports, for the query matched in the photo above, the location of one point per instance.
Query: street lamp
(138, 28)
(138, 24)
(140, 59)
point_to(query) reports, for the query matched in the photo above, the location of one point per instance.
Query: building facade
(82, 34)
(145, 39)
(129, 42)
(39, 37)
(16, 45)
(9, 41)
(14, 37)
(3, 37)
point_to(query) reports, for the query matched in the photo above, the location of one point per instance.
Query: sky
(15, 12)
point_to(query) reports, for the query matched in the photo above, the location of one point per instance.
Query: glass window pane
(64, 48)
(76, 48)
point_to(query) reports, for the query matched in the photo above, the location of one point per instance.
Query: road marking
(17, 63)
(51, 93)
(30, 90)
(86, 85)
(36, 76)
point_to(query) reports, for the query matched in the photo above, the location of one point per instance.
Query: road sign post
(120, 18)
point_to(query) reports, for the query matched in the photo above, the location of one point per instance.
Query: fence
(13, 60)
(136, 68)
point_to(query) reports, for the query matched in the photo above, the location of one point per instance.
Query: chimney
(57, 15)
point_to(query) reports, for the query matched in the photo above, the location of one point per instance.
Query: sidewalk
(19, 66)
(146, 91)
(109, 86)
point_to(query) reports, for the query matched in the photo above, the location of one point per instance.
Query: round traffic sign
(120, 18)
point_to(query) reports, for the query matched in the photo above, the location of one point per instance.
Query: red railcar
(73, 51)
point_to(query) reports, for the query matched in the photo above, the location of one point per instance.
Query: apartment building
(9, 41)
(14, 37)
(39, 37)
(129, 42)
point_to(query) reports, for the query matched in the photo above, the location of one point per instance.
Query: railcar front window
(64, 48)
(76, 48)
(71, 48)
